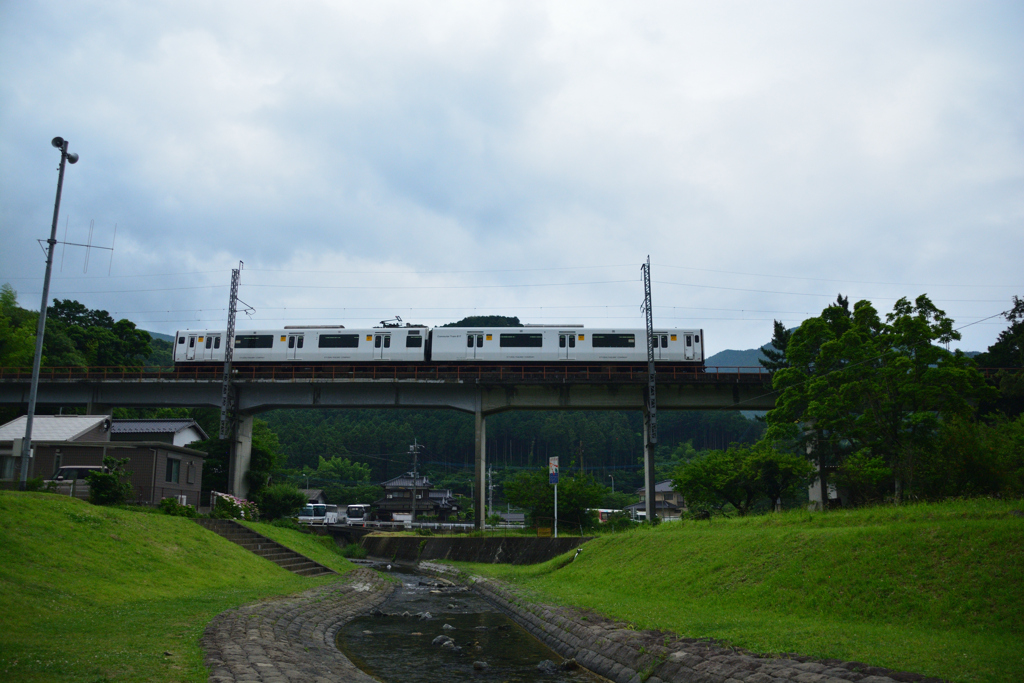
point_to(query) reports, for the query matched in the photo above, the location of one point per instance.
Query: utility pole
(490, 490)
(26, 443)
(651, 411)
(227, 403)
(415, 450)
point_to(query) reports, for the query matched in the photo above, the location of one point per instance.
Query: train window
(521, 340)
(300, 342)
(664, 341)
(376, 341)
(387, 341)
(479, 340)
(572, 341)
(254, 341)
(696, 338)
(689, 340)
(561, 341)
(291, 342)
(469, 342)
(209, 342)
(181, 340)
(339, 341)
(614, 341)
(216, 342)
(413, 341)
(191, 342)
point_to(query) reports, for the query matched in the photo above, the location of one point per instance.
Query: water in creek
(399, 646)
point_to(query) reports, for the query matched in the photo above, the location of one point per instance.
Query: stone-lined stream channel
(431, 630)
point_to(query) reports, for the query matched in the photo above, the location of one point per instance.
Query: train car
(312, 344)
(553, 344)
(416, 344)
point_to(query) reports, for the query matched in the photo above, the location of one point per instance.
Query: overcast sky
(435, 160)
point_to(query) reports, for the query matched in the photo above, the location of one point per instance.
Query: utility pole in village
(415, 450)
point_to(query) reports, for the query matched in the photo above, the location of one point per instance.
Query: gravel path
(290, 639)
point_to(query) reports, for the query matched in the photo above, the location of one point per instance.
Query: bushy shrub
(170, 506)
(34, 484)
(229, 507)
(280, 500)
(288, 523)
(107, 487)
(354, 551)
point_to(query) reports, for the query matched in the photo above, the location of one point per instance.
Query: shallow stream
(401, 643)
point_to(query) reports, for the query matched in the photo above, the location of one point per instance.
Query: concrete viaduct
(480, 390)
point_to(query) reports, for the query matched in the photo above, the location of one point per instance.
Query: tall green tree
(775, 353)
(858, 384)
(1007, 354)
(576, 496)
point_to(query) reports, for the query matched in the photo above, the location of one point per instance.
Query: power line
(770, 291)
(852, 282)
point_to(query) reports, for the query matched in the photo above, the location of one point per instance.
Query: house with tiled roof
(175, 431)
(668, 503)
(159, 468)
(397, 503)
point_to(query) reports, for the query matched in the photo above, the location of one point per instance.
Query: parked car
(71, 480)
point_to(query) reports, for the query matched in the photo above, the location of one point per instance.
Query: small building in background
(397, 503)
(668, 503)
(159, 469)
(175, 431)
(315, 496)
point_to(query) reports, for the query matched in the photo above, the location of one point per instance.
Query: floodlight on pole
(26, 444)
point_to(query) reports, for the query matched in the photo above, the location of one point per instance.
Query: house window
(191, 473)
(173, 470)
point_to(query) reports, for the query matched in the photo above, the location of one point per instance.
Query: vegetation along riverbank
(934, 589)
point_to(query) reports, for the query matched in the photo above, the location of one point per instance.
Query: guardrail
(426, 372)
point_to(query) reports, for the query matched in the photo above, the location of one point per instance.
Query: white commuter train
(326, 345)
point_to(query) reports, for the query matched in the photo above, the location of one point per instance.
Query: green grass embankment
(934, 589)
(100, 594)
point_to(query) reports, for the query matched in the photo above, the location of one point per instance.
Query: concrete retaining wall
(511, 550)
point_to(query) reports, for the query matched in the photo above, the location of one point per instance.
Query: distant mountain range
(749, 358)
(161, 336)
(732, 358)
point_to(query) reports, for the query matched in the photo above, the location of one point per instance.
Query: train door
(190, 350)
(295, 343)
(688, 346)
(474, 344)
(567, 346)
(660, 345)
(382, 346)
(211, 346)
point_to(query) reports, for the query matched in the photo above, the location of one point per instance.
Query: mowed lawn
(936, 589)
(99, 594)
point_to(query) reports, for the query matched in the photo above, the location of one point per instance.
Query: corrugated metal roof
(51, 427)
(155, 426)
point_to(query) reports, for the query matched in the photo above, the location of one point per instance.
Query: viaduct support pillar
(240, 455)
(649, 475)
(480, 476)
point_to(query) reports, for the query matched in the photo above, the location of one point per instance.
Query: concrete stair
(264, 547)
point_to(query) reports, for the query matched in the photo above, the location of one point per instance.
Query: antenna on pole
(651, 408)
(227, 403)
